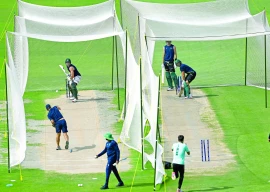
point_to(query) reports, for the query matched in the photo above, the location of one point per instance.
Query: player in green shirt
(179, 152)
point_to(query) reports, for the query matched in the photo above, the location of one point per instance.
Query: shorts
(61, 125)
(190, 76)
(169, 66)
(77, 79)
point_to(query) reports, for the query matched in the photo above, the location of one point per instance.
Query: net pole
(142, 132)
(112, 60)
(265, 71)
(125, 110)
(157, 134)
(121, 14)
(158, 108)
(7, 118)
(117, 73)
(246, 61)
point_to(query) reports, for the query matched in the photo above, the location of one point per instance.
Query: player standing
(75, 78)
(169, 55)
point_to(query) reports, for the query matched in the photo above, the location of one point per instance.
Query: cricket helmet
(108, 136)
(177, 62)
(67, 60)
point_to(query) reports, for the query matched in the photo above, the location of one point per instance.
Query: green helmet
(177, 62)
(67, 60)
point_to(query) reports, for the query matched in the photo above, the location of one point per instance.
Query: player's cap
(48, 106)
(108, 136)
(67, 60)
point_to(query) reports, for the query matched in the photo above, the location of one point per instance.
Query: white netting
(215, 20)
(252, 26)
(66, 15)
(61, 25)
(67, 33)
(16, 114)
(205, 13)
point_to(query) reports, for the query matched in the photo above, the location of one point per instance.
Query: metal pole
(157, 134)
(117, 73)
(265, 70)
(125, 110)
(158, 107)
(142, 128)
(112, 61)
(121, 16)
(246, 62)
(7, 118)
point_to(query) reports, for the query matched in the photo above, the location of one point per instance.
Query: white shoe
(74, 100)
(173, 176)
(190, 96)
(71, 98)
(170, 89)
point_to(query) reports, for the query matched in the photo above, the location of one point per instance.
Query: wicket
(205, 150)
(67, 89)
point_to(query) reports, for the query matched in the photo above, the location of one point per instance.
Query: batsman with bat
(74, 78)
(188, 75)
(113, 154)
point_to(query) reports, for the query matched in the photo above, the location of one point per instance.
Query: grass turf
(240, 111)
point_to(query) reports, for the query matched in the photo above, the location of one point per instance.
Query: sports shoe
(104, 187)
(190, 96)
(71, 98)
(58, 148)
(173, 176)
(66, 146)
(74, 100)
(170, 89)
(120, 184)
(179, 190)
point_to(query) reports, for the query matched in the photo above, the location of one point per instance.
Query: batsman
(188, 75)
(74, 79)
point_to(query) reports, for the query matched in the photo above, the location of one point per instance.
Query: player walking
(75, 78)
(113, 155)
(169, 55)
(59, 123)
(179, 151)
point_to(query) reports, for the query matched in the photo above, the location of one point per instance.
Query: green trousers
(171, 77)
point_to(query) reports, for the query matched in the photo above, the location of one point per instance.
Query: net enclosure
(218, 22)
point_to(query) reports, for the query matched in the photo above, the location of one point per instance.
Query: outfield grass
(240, 110)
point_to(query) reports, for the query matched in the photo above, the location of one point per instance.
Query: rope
(7, 22)
(135, 172)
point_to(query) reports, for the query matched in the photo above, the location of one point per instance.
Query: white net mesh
(36, 31)
(67, 15)
(205, 13)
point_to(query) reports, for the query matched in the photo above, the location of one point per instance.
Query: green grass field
(240, 110)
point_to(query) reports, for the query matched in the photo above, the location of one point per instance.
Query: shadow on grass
(76, 149)
(92, 99)
(212, 189)
(137, 185)
(205, 96)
